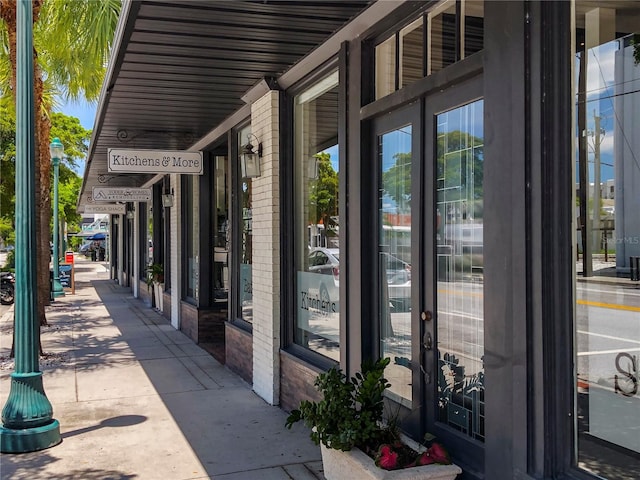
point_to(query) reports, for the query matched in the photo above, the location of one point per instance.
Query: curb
(619, 281)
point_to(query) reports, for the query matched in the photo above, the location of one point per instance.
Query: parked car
(398, 282)
(398, 271)
(326, 261)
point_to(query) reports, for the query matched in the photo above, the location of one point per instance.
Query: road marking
(615, 291)
(608, 352)
(460, 292)
(608, 337)
(613, 306)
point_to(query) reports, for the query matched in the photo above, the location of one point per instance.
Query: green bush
(351, 411)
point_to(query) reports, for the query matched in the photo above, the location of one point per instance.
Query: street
(608, 348)
(607, 326)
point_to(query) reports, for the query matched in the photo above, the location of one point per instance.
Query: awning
(97, 236)
(180, 70)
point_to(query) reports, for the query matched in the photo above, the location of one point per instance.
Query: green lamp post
(57, 149)
(27, 417)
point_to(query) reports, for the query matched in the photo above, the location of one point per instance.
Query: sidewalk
(137, 399)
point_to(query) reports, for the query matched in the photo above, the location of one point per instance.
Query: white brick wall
(266, 251)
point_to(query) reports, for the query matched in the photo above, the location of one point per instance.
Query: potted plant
(155, 279)
(355, 443)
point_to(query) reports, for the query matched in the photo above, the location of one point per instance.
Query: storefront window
(245, 289)
(443, 44)
(411, 53)
(607, 242)
(473, 26)
(221, 232)
(317, 246)
(386, 67)
(148, 251)
(144, 212)
(403, 58)
(192, 237)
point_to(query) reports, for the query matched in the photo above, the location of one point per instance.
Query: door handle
(427, 345)
(428, 341)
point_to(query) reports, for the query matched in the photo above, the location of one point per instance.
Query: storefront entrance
(430, 265)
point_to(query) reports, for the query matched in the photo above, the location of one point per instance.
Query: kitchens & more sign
(154, 161)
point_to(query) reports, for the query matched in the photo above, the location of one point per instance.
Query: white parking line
(610, 292)
(608, 337)
(608, 352)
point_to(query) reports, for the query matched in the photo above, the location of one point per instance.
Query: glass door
(398, 153)
(452, 281)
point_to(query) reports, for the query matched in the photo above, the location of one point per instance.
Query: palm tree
(72, 40)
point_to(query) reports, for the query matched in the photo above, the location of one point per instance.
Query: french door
(430, 265)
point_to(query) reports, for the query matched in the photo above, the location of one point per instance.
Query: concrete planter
(158, 289)
(339, 465)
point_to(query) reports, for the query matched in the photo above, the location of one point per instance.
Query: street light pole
(27, 417)
(57, 150)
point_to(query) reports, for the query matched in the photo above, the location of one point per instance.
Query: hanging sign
(122, 194)
(154, 161)
(107, 208)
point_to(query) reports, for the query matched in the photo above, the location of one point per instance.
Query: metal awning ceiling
(179, 69)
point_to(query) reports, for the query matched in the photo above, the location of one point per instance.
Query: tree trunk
(43, 197)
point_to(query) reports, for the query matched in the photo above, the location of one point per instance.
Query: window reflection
(394, 259)
(411, 53)
(221, 232)
(148, 252)
(317, 241)
(473, 26)
(607, 242)
(460, 268)
(386, 67)
(192, 235)
(245, 289)
(444, 37)
(452, 31)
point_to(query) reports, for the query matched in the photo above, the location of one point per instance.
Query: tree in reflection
(396, 182)
(460, 176)
(323, 194)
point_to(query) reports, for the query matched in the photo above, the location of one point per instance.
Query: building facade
(411, 180)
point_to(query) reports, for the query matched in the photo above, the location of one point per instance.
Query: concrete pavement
(137, 399)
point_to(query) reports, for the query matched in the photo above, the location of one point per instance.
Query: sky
(82, 110)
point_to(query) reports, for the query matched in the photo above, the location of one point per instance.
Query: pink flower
(424, 459)
(387, 458)
(439, 455)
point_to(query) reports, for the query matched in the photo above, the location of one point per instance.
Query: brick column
(266, 251)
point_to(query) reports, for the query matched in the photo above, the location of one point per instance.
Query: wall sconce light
(130, 214)
(250, 160)
(167, 200)
(314, 168)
